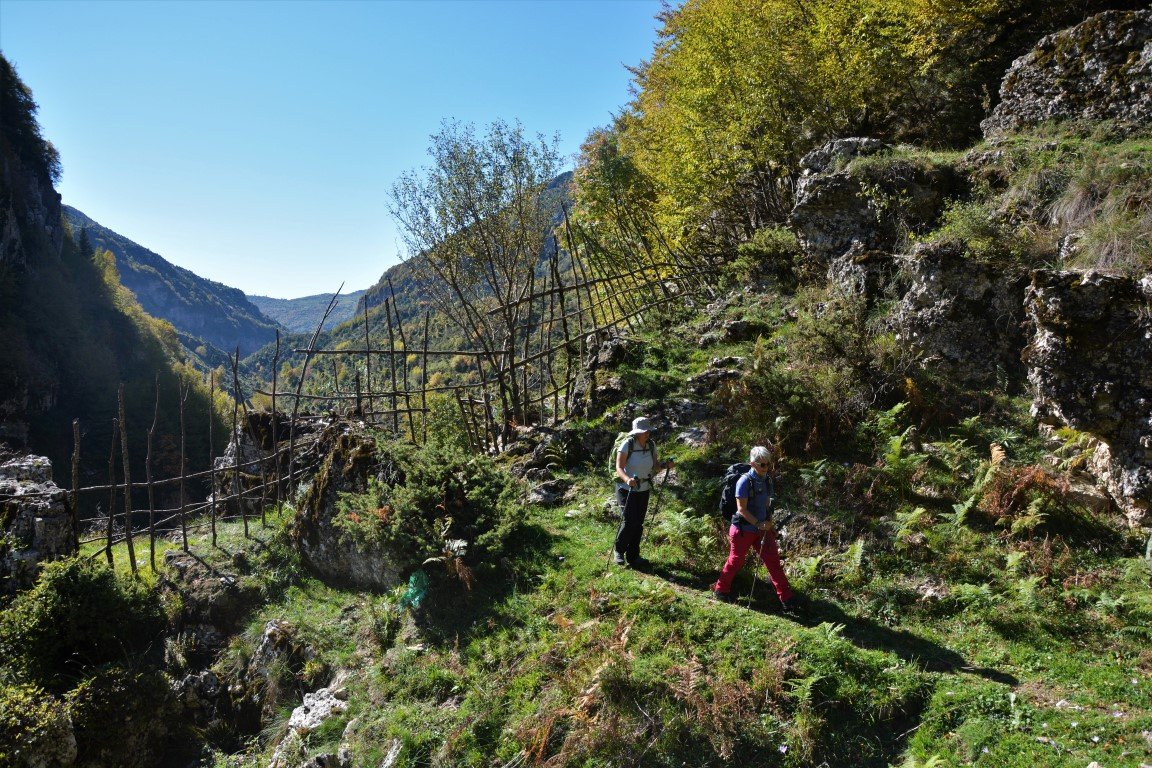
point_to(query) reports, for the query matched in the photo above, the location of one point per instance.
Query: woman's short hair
(760, 453)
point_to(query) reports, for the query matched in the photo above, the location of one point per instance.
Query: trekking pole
(759, 560)
(655, 505)
(784, 518)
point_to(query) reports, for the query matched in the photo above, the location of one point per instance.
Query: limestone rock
(34, 519)
(961, 318)
(255, 692)
(849, 222)
(1100, 69)
(1090, 366)
(350, 459)
(317, 708)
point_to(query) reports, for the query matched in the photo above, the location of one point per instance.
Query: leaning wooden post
(237, 488)
(127, 485)
(367, 357)
(300, 382)
(392, 365)
(359, 401)
(407, 384)
(424, 378)
(275, 434)
(464, 418)
(183, 467)
(243, 405)
(74, 514)
(212, 450)
(112, 487)
(148, 476)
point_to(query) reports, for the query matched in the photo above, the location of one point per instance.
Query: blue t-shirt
(758, 492)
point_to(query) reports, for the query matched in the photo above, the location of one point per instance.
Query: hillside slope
(70, 333)
(302, 314)
(202, 308)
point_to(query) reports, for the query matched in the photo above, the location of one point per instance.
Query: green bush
(771, 252)
(78, 616)
(120, 717)
(33, 724)
(436, 494)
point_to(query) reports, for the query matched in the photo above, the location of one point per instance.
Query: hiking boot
(723, 597)
(793, 606)
(640, 564)
(618, 559)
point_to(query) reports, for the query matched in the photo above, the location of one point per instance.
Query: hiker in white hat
(636, 463)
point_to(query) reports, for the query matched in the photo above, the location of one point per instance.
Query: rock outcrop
(350, 460)
(34, 519)
(850, 222)
(960, 317)
(1100, 69)
(1090, 365)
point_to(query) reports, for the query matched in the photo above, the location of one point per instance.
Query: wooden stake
(424, 377)
(127, 485)
(74, 515)
(148, 477)
(183, 467)
(212, 448)
(112, 486)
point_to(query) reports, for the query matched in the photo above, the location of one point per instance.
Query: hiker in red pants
(751, 529)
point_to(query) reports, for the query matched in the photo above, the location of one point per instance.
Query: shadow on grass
(861, 632)
(453, 610)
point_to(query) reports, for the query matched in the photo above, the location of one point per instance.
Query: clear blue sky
(255, 142)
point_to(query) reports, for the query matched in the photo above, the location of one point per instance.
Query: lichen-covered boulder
(961, 318)
(1100, 69)
(350, 462)
(1090, 365)
(209, 599)
(850, 221)
(35, 525)
(249, 462)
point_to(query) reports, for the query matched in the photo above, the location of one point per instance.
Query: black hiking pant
(633, 508)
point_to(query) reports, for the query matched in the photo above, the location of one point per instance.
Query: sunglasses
(759, 463)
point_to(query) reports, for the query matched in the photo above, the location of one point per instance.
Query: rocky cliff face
(849, 222)
(1090, 366)
(29, 209)
(962, 318)
(1080, 342)
(1098, 70)
(35, 520)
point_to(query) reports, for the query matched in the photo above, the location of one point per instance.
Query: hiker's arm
(742, 510)
(621, 462)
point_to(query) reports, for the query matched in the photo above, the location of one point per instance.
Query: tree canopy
(737, 91)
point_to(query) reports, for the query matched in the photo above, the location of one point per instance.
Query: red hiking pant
(763, 542)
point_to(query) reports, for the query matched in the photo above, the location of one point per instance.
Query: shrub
(771, 252)
(34, 726)
(435, 495)
(120, 716)
(78, 616)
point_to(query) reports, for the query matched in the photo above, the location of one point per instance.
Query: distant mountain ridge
(302, 314)
(220, 315)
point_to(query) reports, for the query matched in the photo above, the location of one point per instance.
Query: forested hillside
(301, 315)
(70, 332)
(209, 312)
